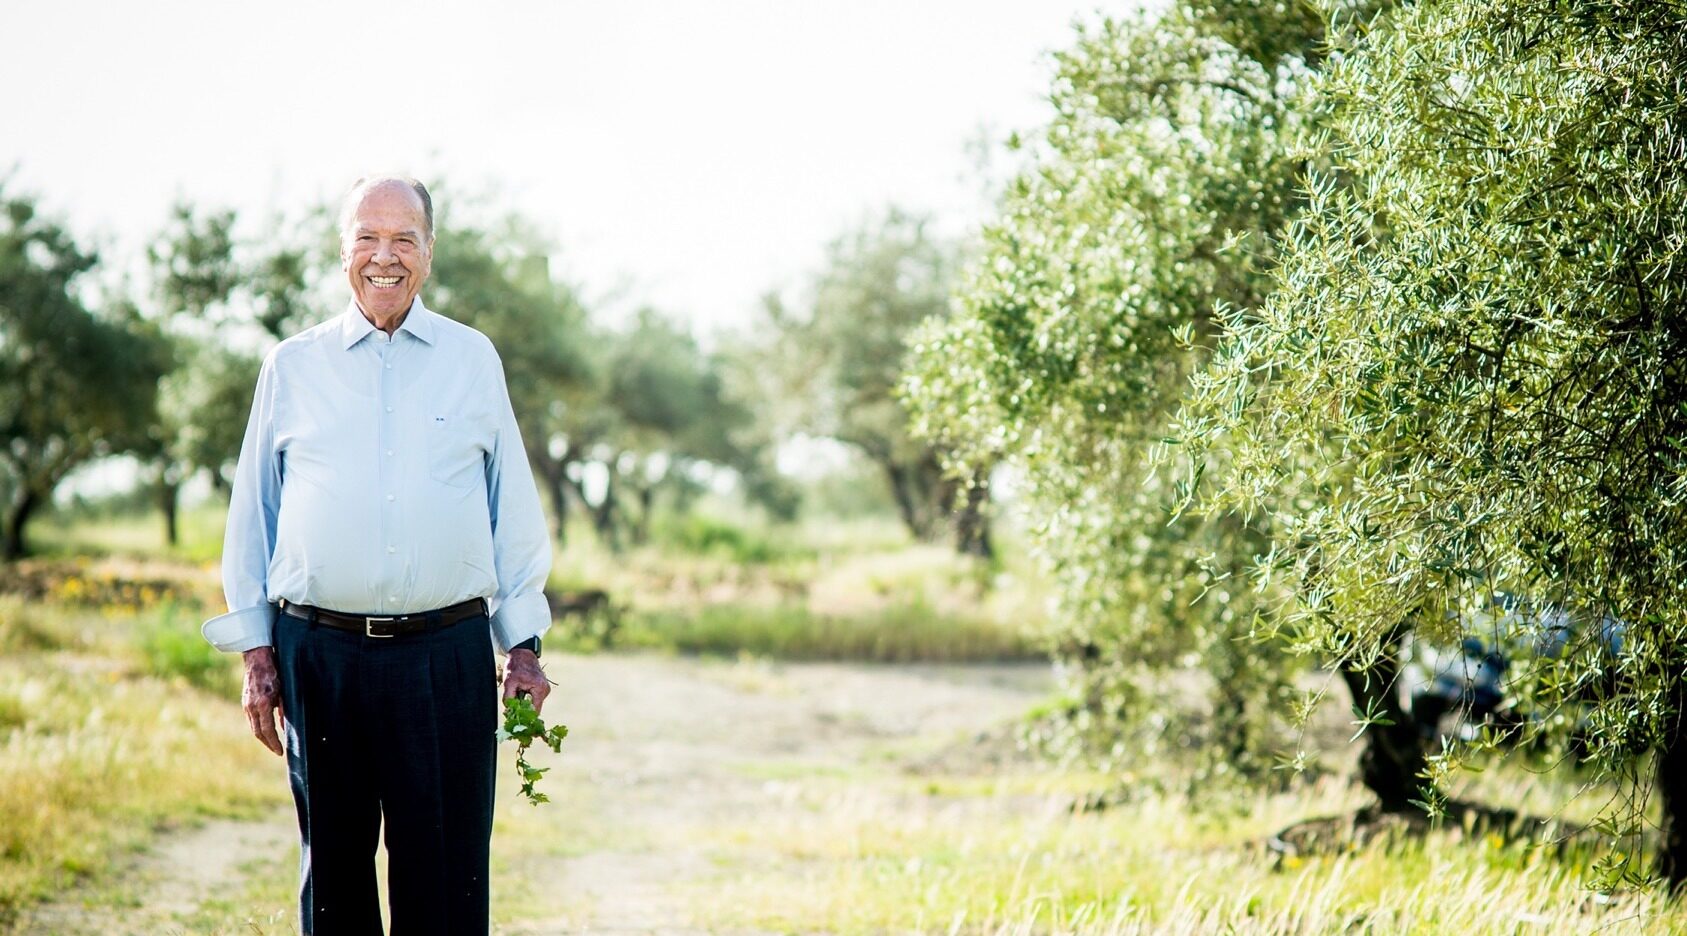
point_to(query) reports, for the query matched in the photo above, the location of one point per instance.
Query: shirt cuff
(519, 618)
(239, 631)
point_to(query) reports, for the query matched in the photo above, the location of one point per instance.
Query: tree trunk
(972, 523)
(1671, 858)
(576, 493)
(169, 501)
(12, 543)
(905, 503)
(555, 474)
(646, 504)
(603, 517)
(1393, 755)
(1232, 670)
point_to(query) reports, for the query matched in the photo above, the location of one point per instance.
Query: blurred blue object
(1471, 679)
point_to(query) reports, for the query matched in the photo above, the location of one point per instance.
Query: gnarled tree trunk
(554, 473)
(24, 504)
(1671, 859)
(1393, 755)
(169, 502)
(603, 516)
(972, 523)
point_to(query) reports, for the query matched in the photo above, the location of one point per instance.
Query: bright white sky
(689, 154)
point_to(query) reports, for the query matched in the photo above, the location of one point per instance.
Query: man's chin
(383, 306)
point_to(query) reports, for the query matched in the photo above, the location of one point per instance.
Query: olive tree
(833, 363)
(497, 278)
(673, 413)
(643, 403)
(203, 400)
(75, 384)
(1471, 377)
(1156, 197)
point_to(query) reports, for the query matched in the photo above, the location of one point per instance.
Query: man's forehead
(363, 225)
(385, 199)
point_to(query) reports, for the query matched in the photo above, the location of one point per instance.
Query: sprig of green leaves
(523, 725)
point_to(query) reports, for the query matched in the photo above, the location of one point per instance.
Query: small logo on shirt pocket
(456, 450)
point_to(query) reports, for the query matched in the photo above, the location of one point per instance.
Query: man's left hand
(522, 674)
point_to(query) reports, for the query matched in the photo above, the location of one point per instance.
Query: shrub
(173, 649)
(704, 535)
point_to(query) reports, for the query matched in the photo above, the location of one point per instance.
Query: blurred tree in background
(279, 279)
(676, 416)
(831, 369)
(644, 405)
(618, 422)
(75, 384)
(500, 282)
(203, 400)
(217, 299)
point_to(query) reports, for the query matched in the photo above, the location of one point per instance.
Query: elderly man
(383, 520)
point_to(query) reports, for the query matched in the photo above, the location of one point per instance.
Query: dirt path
(657, 747)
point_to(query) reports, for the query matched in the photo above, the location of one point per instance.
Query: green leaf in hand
(523, 725)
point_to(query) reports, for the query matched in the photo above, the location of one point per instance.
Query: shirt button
(389, 367)
(389, 453)
(392, 597)
(392, 549)
(389, 409)
(392, 497)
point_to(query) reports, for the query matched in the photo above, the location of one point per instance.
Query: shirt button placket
(387, 473)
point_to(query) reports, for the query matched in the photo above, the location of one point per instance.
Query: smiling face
(386, 250)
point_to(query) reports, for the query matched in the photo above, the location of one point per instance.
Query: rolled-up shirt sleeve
(521, 545)
(249, 537)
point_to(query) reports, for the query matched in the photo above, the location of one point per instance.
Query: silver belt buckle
(369, 622)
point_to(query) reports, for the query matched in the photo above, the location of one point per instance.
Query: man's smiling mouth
(384, 282)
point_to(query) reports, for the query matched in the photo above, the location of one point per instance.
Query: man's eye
(364, 238)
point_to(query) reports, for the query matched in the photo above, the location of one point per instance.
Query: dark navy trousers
(399, 730)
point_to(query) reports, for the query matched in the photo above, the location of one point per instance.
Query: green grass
(953, 854)
(266, 904)
(699, 534)
(199, 530)
(910, 632)
(172, 648)
(117, 721)
(800, 593)
(97, 752)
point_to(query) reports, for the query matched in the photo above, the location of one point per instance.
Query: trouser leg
(438, 718)
(329, 769)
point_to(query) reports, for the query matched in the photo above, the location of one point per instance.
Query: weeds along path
(660, 750)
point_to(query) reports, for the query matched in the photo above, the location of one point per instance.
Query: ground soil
(657, 745)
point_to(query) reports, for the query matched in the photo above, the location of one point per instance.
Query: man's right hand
(262, 696)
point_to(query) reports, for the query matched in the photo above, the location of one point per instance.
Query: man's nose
(384, 252)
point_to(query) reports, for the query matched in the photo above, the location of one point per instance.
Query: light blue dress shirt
(383, 476)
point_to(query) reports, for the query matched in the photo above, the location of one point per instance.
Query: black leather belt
(388, 625)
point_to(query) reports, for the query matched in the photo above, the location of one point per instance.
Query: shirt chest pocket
(458, 445)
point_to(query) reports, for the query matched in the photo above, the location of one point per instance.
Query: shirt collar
(354, 325)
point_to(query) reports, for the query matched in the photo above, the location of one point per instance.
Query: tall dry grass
(100, 748)
(1007, 855)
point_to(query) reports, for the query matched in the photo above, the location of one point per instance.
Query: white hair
(348, 206)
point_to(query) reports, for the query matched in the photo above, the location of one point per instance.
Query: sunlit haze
(688, 155)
